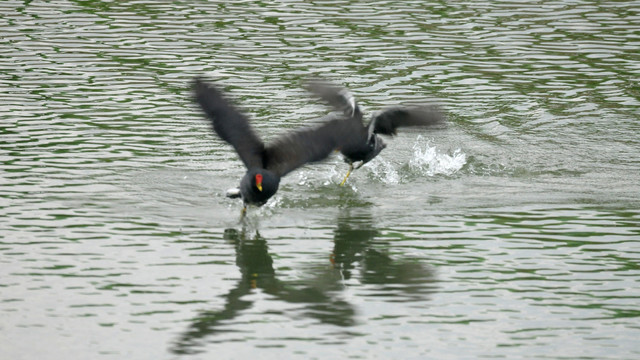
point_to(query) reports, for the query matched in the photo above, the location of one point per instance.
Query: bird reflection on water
(355, 256)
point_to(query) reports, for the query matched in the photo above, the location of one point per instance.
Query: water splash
(274, 203)
(325, 177)
(383, 170)
(428, 161)
(303, 178)
(332, 176)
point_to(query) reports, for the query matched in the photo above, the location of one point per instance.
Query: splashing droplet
(428, 161)
(384, 171)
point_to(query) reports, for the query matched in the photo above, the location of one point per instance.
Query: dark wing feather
(313, 144)
(231, 125)
(336, 96)
(387, 121)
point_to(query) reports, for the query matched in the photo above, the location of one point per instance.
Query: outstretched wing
(231, 125)
(336, 96)
(313, 144)
(389, 120)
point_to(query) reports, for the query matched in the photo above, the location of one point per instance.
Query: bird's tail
(233, 193)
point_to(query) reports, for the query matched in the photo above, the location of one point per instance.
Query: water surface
(513, 232)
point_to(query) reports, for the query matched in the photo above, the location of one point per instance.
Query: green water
(514, 232)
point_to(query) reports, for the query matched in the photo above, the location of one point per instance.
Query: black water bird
(267, 164)
(386, 122)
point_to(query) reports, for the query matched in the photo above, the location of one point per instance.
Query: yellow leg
(347, 176)
(244, 212)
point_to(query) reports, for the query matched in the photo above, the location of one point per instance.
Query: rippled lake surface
(513, 232)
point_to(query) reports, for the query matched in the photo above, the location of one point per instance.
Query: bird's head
(375, 146)
(258, 185)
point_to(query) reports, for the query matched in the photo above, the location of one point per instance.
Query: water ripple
(512, 231)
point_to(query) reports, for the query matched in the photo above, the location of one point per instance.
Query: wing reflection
(355, 249)
(355, 256)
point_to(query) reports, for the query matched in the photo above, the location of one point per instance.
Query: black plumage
(366, 144)
(266, 164)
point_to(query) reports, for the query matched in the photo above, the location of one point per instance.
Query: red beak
(259, 181)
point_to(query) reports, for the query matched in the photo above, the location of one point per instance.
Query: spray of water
(383, 170)
(427, 160)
